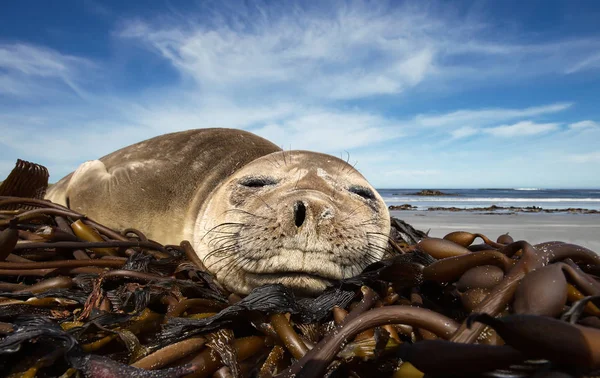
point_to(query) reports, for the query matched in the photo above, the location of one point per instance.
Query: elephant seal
(255, 214)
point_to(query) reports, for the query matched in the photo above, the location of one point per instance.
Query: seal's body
(254, 214)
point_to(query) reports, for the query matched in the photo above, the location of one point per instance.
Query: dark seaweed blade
(404, 232)
(28, 328)
(268, 299)
(127, 300)
(143, 262)
(25, 180)
(316, 309)
(191, 271)
(167, 265)
(102, 319)
(222, 343)
(9, 312)
(85, 281)
(402, 271)
(101, 366)
(573, 314)
(74, 295)
(192, 289)
(138, 262)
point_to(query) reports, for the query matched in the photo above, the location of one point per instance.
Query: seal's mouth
(323, 270)
(302, 283)
(292, 275)
(300, 263)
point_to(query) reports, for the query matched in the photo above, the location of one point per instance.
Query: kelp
(104, 303)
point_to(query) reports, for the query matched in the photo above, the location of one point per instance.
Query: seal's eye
(257, 182)
(365, 193)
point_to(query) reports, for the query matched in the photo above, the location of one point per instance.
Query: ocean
(521, 197)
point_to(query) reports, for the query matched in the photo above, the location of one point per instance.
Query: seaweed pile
(80, 299)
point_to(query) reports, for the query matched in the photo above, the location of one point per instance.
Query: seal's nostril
(299, 213)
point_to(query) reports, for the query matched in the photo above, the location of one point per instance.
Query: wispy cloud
(484, 117)
(332, 132)
(525, 128)
(590, 62)
(320, 53)
(587, 124)
(328, 78)
(464, 132)
(351, 50)
(29, 69)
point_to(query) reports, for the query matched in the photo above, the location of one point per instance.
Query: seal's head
(297, 218)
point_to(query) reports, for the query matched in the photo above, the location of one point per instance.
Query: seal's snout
(299, 213)
(308, 214)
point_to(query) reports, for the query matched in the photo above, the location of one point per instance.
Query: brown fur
(182, 169)
(194, 185)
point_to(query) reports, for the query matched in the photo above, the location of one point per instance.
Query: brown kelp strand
(465, 239)
(548, 338)
(170, 354)
(451, 268)
(87, 233)
(8, 240)
(502, 294)
(93, 245)
(442, 357)
(314, 362)
(442, 248)
(288, 336)
(79, 298)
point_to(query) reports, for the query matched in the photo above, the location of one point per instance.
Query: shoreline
(576, 228)
(494, 209)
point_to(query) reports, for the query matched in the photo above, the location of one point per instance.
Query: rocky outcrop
(431, 193)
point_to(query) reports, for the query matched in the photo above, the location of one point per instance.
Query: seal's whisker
(235, 210)
(240, 261)
(376, 236)
(223, 225)
(383, 236)
(274, 162)
(223, 252)
(221, 247)
(351, 166)
(352, 212)
(217, 239)
(370, 222)
(367, 252)
(247, 213)
(297, 181)
(227, 229)
(283, 156)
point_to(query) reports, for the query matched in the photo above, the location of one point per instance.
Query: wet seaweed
(121, 305)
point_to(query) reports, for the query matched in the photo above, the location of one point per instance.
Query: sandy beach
(581, 229)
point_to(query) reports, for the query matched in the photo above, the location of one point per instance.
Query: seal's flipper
(25, 180)
(79, 183)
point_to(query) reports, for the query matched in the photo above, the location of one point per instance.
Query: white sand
(581, 229)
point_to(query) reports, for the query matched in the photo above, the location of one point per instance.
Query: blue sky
(420, 94)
